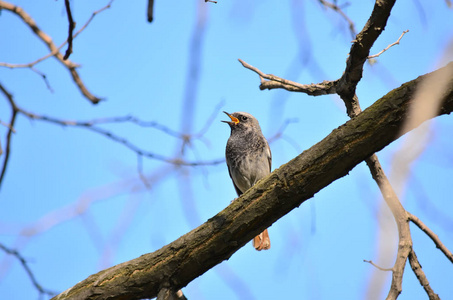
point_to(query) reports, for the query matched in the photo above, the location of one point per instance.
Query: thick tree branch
(400, 216)
(181, 261)
(345, 87)
(360, 49)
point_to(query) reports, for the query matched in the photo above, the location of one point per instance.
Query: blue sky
(82, 193)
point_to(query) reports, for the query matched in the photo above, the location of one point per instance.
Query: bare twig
(389, 46)
(376, 266)
(14, 111)
(7, 126)
(46, 39)
(109, 4)
(53, 53)
(27, 269)
(139, 151)
(212, 1)
(44, 77)
(274, 82)
(432, 236)
(336, 8)
(130, 119)
(71, 29)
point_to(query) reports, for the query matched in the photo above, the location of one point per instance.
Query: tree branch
(432, 236)
(91, 126)
(360, 49)
(181, 261)
(29, 272)
(417, 268)
(345, 87)
(275, 82)
(336, 8)
(399, 214)
(14, 111)
(389, 46)
(376, 266)
(52, 53)
(71, 29)
(46, 39)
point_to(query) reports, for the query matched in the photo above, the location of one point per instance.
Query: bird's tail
(262, 241)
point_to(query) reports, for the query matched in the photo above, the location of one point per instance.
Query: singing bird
(249, 159)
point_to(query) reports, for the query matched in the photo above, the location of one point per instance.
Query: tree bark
(178, 263)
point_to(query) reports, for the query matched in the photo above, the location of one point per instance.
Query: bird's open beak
(234, 120)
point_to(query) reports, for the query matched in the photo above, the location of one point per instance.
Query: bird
(249, 159)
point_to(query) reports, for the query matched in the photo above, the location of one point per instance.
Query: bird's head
(242, 121)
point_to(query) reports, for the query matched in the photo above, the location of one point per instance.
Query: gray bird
(249, 159)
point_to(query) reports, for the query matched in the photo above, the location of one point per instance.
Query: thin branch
(376, 266)
(53, 53)
(336, 8)
(130, 119)
(71, 29)
(140, 172)
(44, 77)
(27, 269)
(46, 39)
(432, 236)
(109, 4)
(417, 268)
(14, 111)
(389, 46)
(275, 82)
(7, 126)
(121, 140)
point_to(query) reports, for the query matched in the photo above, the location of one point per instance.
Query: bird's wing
(269, 157)
(238, 191)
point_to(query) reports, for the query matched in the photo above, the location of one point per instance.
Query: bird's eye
(244, 118)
